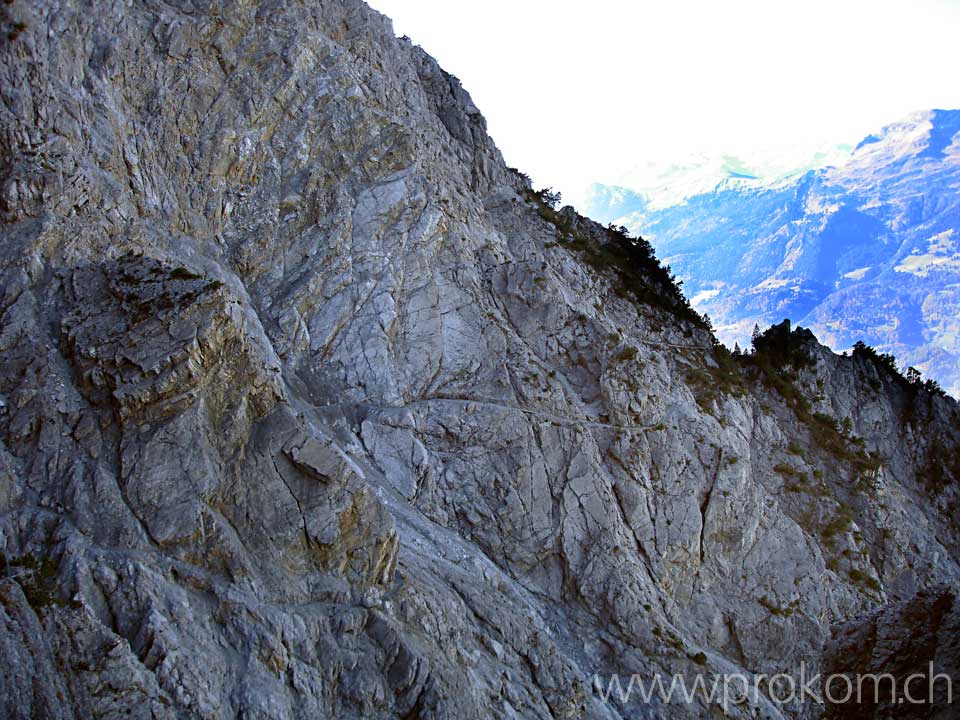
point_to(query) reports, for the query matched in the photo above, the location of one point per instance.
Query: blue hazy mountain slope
(869, 250)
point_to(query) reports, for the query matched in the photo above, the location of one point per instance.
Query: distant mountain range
(867, 250)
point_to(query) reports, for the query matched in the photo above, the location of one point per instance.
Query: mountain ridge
(310, 407)
(860, 251)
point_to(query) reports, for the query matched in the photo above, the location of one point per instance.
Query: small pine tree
(550, 197)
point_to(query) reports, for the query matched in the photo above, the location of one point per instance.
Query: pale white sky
(616, 91)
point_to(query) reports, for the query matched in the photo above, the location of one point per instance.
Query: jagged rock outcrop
(910, 654)
(309, 407)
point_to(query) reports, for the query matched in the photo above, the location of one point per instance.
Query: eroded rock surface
(910, 653)
(309, 407)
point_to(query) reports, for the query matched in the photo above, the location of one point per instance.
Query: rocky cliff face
(310, 408)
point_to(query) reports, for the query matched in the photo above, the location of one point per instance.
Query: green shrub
(886, 365)
(631, 260)
(863, 581)
(181, 273)
(774, 609)
(781, 346)
(37, 580)
(882, 361)
(785, 470)
(15, 30)
(699, 658)
(840, 523)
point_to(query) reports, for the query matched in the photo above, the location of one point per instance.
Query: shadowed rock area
(878, 647)
(310, 407)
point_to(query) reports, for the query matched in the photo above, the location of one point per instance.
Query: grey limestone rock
(309, 407)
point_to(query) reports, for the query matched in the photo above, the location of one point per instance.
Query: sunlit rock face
(310, 408)
(868, 250)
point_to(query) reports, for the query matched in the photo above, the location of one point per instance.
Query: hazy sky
(616, 91)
